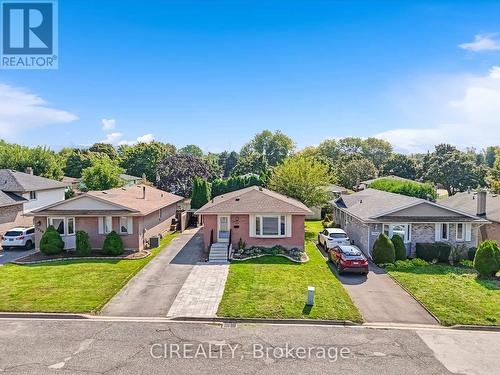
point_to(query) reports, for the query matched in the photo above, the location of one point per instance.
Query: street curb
(343, 323)
(415, 298)
(460, 327)
(55, 316)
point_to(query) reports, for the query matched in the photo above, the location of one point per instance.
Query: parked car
(332, 237)
(348, 259)
(19, 237)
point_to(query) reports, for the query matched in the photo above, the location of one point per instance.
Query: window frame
(33, 195)
(390, 230)
(259, 228)
(462, 238)
(65, 221)
(441, 237)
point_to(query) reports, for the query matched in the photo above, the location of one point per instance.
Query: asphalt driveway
(381, 300)
(153, 290)
(7, 256)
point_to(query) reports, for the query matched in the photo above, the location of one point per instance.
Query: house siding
(240, 228)
(43, 198)
(490, 232)
(12, 216)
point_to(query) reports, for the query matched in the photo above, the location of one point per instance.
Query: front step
(218, 253)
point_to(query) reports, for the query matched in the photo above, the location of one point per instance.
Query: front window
(71, 225)
(58, 224)
(444, 231)
(32, 195)
(124, 225)
(402, 230)
(460, 232)
(271, 226)
(64, 226)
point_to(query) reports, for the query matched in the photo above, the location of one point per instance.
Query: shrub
(83, 247)
(383, 250)
(408, 264)
(432, 252)
(330, 224)
(326, 221)
(399, 247)
(51, 242)
(241, 245)
(201, 192)
(113, 244)
(471, 253)
(458, 253)
(486, 259)
(409, 188)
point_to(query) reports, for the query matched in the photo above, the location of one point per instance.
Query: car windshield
(338, 235)
(13, 233)
(351, 251)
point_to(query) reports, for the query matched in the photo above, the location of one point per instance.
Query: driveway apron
(153, 290)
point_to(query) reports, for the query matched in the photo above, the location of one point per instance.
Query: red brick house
(257, 216)
(136, 213)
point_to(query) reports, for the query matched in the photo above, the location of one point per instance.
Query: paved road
(97, 347)
(381, 300)
(7, 256)
(153, 290)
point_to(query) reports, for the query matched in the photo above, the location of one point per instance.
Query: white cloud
(471, 120)
(146, 138)
(108, 124)
(112, 138)
(21, 111)
(483, 42)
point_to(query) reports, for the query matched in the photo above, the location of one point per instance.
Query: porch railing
(229, 244)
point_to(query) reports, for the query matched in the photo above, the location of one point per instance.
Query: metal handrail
(229, 245)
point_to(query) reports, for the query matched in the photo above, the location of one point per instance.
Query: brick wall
(12, 216)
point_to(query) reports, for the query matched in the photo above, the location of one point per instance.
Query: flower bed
(40, 257)
(295, 254)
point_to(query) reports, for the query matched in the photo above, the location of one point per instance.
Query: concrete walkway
(202, 292)
(381, 300)
(153, 290)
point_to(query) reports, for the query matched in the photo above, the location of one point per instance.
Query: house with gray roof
(483, 204)
(21, 193)
(366, 214)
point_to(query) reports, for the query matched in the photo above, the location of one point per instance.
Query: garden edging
(277, 255)
(21, 263)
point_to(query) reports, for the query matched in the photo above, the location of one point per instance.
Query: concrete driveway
(381, 300)
(153, 290)
(7, 256)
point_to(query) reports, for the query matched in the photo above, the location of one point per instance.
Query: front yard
(453, 294)
(275, 287)
(67, 286)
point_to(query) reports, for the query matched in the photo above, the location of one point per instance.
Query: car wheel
(28, 245)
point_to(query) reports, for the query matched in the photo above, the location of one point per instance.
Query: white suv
(19, 237)
(332, 237)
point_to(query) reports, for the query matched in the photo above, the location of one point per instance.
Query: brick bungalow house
(136, 213)
(366, 214)
(483, 204)
(257, 216)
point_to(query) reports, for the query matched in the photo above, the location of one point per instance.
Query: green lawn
(275, 287)
(453, 294)
(67, 286)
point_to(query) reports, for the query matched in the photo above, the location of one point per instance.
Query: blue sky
(214, 73)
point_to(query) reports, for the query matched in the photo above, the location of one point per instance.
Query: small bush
(444, 251)
(83, 247)
(113, 244)
(432, 252)
(408, 264)
(241, 245)
(51, 242)
(458, 253)
(326, 220)
(471, 253)
(383, 250)
(486, 259)
(399, 247)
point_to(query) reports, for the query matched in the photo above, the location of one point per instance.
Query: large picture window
(270, 226)
(65, 226)
(402, 230)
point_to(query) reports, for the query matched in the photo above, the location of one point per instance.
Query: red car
(348, 259)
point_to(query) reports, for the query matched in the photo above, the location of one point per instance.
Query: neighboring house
(334, 192)
(482, 204)
(129, 180)
(72, 182)
(136, 213)
(366, 214)
(365, 184)
(24, 192)
(257, 216)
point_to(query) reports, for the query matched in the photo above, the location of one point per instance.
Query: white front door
(223, 229)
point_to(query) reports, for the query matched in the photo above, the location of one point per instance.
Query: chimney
(144, 192)
(29, 170)
(481, 203)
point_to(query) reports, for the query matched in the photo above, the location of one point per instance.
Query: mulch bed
(40, 257)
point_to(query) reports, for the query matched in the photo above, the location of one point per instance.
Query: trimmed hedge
(409, 188)
(486, 261)
(383, 250)
(399, 247)
(83, 247)
(430, 252)
(113, 244)
(51, 242)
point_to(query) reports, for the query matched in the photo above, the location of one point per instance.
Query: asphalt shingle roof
(19, 182)
(254, 200)
(467, 202)
(9, 199)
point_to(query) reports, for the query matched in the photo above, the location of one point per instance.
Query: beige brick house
(136, 213)
(366, 214)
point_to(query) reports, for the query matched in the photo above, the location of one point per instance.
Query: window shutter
(468, 232)
(100, 224)
(251, 226)
(438, 232)
(289, 219)
(130, 225)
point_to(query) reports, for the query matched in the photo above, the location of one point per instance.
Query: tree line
(269, 159)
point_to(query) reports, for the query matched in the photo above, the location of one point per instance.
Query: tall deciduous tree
(251, 163)
(104, 148)
(275, 147)
(353, 172)
(303, 179)
(192, 150)
(227, 161)
(102, 174)
(400, 165)
(76, 162)
(143, 158)
(494, 175)
(177, 172)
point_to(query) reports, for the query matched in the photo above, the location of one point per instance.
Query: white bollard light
(310, 296)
